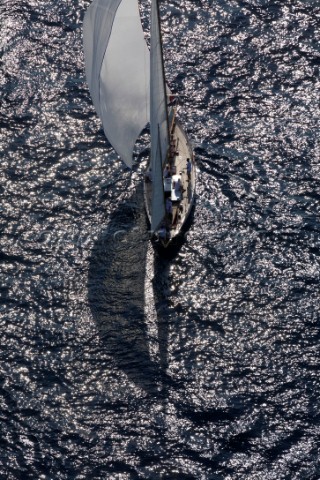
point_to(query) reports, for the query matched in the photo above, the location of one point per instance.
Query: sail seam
(105, 52)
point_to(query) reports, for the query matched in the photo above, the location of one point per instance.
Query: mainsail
(117, 63)
(158, 118)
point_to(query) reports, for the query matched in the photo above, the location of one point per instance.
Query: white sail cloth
(117, 62)
(158, 118)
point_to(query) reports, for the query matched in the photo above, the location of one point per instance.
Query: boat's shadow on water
(116, 293)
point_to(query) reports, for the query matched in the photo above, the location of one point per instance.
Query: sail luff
(98, 18)
(159, 125)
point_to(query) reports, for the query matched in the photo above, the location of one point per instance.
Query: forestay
(117, 62)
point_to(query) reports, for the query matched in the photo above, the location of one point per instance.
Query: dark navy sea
(119, 363)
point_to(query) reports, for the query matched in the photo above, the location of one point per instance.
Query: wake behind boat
(128, 89)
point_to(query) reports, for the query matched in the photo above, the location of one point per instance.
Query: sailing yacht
(128, 90)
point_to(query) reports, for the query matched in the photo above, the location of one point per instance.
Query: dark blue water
(115, 362)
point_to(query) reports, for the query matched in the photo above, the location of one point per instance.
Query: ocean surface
(118, 362)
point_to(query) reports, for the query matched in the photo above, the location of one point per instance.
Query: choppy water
(116, 363)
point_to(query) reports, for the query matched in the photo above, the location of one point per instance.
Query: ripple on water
(117, 362)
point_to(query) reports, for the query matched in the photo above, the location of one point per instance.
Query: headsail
(158, 118)
(117, 64)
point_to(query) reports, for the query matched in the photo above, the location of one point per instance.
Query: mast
(159, 124)
(162, 66)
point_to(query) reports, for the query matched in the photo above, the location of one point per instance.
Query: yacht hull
(179, 188)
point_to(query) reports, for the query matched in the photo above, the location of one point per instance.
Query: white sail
(117, 63)
(158, 118)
